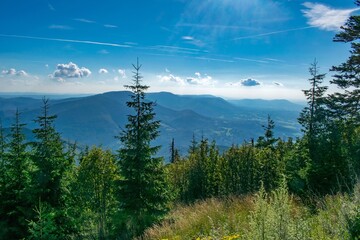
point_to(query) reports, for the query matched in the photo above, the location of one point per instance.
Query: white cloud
(187, 38)
(13, 72)
(171, 78)
(200, 80)
(103, 71)
(21, 73)
(167, 70)
(84, 20)
(193, 41)
(70, 70)
(110, 26)
(326, 18)
(122, 73)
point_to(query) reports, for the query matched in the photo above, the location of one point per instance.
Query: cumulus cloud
(21, 73)
(324, 17)
(205, 80)
(171, 78)
(13, 72)
(250, 82)
(103, 71)
(122, 73)
(70, 70)
(198, 79)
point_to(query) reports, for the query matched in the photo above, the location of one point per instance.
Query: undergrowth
(274, 215)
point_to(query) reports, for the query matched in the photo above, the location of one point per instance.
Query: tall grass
(209, 218)
(274, 215)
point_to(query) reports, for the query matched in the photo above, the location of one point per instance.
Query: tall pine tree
(312, 118)
(268, 140)
(143, 189)
(14, 204)
(346, 104)
(53, 166)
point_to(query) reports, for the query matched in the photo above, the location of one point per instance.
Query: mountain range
(97, 119)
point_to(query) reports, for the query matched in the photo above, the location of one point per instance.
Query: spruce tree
(2, 143)
(268, 140)
(312, 118)
(53, 166)
(143, 188)
(14, 204)
(3, 146)
(346, 104)
(174, 152)
(49, 158)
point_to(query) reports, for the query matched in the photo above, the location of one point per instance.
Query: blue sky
(228, 48)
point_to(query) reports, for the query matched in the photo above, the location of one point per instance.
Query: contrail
(68, 40)
(272, 33)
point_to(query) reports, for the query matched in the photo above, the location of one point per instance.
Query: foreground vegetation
(274, 215)
(268, 188)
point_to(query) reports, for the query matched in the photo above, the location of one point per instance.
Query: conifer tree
(53, 166)
(346, 104)
(174, 152)
(14, 202)
(49, 158)
(143, 189)
(2, 143)
(314, 125)
(3, 146)
(268, 140)
(312, 118)
(193, 145)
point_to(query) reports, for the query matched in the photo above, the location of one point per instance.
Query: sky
(229, 48)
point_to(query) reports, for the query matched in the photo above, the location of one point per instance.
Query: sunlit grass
(272, 215)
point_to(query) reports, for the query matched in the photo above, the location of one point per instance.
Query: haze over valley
(97, 119)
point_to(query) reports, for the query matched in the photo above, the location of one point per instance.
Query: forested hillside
(95, 120)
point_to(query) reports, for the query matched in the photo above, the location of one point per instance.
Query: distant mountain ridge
(96, 119)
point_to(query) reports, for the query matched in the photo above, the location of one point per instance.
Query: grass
(209, 219)
(274, 215)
